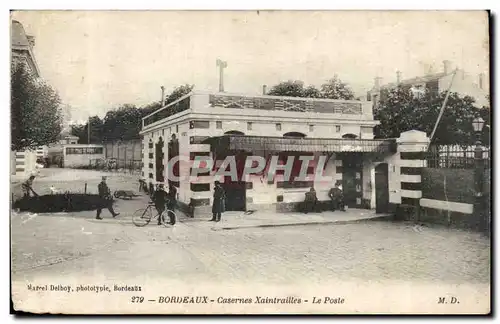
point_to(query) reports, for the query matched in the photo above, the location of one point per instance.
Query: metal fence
(455, 157)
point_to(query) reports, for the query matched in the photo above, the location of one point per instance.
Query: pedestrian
(337, 197)
(310, 201)
(172, 202)
(28, 187)
(218, 204)
(105, 194)
(160, 198)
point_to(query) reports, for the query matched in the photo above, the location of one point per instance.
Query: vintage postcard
(250, 162)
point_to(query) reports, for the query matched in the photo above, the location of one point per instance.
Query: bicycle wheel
(141, 217)
(169, 217)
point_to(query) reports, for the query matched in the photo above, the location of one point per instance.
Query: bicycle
(143, 216)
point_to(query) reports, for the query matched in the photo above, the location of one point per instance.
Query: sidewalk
(237, 219)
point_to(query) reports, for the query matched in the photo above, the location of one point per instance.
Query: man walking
(105, 194)
(219, 202)
(310, 201)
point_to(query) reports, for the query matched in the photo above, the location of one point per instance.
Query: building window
(338, 128)
(162, 132)
(150, 176)
(151, 155)
(177, 128)
(150, 165)
(311, 128)
(218, 124)
(199, 187)
(278, 127)
(199, 124)
(249, 126)
(150, 145)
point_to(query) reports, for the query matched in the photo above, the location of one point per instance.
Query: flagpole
(442, 107)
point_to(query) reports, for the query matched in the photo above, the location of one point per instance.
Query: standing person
(105, 194)
(337, 197)
(172, 202)
(218, 204)
(160, 198)
(28, 186)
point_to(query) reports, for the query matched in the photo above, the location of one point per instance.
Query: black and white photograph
(180, 162)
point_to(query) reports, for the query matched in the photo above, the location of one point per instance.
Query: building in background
(23, 163)
(222, 124)
(464, 84)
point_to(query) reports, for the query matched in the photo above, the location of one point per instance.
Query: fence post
(412, 146)
(85, 188)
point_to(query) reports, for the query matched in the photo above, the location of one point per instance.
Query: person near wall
(337, 197)
(218, 205)
(105, 195)
(172, 202)
(310, 203)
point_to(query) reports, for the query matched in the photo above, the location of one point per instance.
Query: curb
(339, 222)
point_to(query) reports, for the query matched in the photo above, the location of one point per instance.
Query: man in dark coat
(310, 201)
(160, 198)
(337, 197)
(28, 186)
(172, 202)
(105, 195)
(219, 202)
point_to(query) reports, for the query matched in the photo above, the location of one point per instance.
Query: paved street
(62, 246)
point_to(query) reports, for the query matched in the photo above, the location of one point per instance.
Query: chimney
(447, 66)
(264, 90)
(162, 96)
(398, 76)
(481, 81)
(378, 82)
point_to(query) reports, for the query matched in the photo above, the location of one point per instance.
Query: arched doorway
(294, 135)
(382, 188)
(234, 132)
(159, 161)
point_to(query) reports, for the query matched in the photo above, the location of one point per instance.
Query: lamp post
(479, 203)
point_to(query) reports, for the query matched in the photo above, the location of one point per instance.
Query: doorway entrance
(159, 161)
(382, 188)
(351, 179)
(236, 190)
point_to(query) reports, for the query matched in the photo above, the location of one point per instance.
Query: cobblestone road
(364, 251)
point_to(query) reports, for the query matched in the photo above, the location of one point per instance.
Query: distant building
(22, 48)
(464, 84)
(23, 163)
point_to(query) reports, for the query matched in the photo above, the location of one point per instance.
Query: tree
(122, 124)
(332, 89)
(179, 92)
(336, 89)
(402, 111)
(35, 111)
(288, 88)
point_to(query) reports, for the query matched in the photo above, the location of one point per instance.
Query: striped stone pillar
(412, 146)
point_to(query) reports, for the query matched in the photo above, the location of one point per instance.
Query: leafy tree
(122, 124)
(288, 88)
(35, 111)
(332, 89)
(402, 111)
(179, 92)
(82, 131)
(336, 89)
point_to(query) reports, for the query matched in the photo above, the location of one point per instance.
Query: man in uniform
(337, 197)
(105, 194)
(160, 199)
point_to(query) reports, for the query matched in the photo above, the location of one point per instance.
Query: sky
(99, 60)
